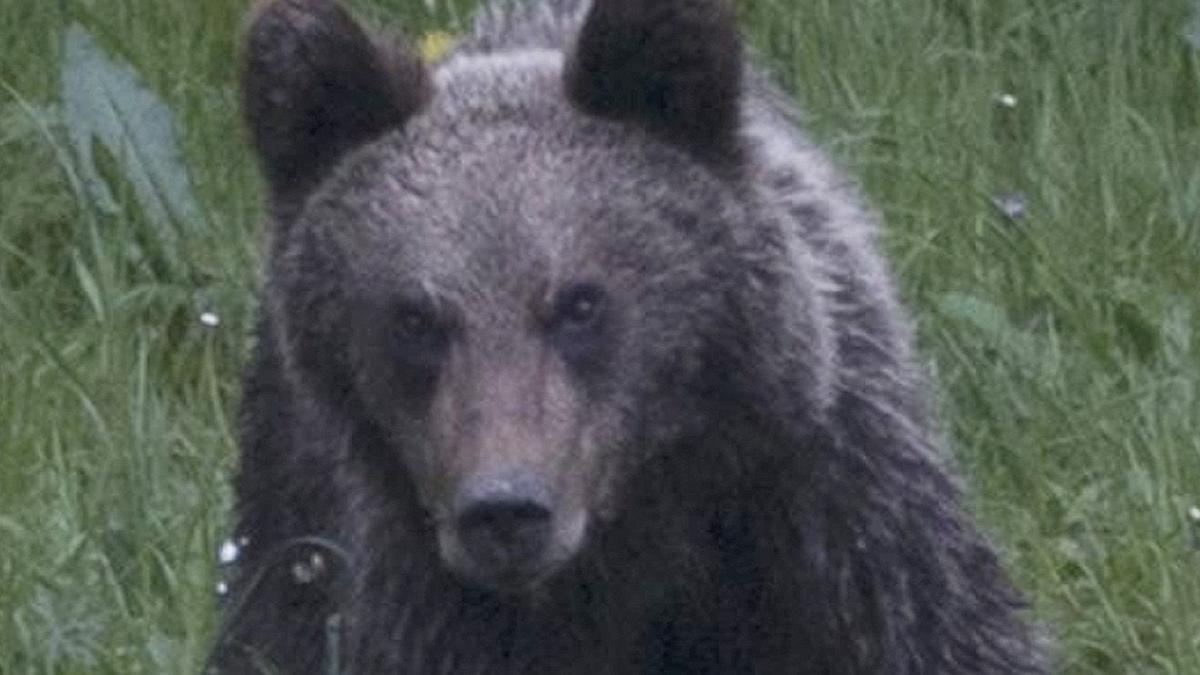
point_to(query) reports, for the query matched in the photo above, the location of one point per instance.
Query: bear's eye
(415, 322)
(578, 326)
(420, 335)
(578, 308)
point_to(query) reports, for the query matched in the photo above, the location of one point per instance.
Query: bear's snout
(505, 533)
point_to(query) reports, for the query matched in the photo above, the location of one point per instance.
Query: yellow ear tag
(436, 44)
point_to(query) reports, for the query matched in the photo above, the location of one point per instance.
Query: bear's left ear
(314, 86)
(674, 66)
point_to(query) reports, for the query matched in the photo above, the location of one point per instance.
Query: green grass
(1065, 342)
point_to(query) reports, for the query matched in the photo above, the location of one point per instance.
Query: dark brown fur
(577, 357)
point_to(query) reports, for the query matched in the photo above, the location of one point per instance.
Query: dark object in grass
(588, 359)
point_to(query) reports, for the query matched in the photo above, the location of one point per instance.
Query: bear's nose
(505, 533)
(505, 528)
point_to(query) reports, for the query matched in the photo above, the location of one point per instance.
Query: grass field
(1066, 339)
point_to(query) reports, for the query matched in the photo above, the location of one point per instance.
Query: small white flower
(210, 319)
(1194, 514)
(228, 553)
(222, 588)
(1006, 101)
(1012, 204)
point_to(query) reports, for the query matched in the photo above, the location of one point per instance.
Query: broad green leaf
(104, 101)
(992, 322)
(983, 315)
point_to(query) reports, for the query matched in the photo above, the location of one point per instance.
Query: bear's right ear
(315, 86)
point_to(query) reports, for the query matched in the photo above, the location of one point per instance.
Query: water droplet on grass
(307, 571)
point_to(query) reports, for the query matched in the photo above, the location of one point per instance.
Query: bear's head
(516, 268)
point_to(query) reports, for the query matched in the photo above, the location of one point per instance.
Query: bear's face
(513, 268)
(505, 281)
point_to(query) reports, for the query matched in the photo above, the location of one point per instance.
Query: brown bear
(576, 356)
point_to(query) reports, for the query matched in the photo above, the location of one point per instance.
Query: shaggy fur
(592, 245)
